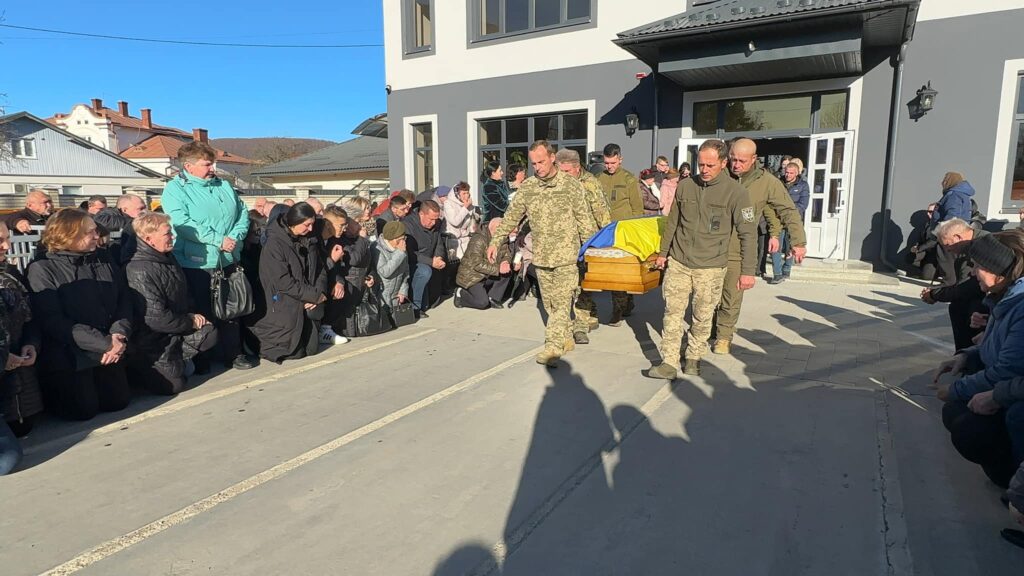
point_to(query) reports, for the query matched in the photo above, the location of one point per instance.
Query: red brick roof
(161, 146)
(118, 119)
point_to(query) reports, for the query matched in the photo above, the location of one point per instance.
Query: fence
(23, 246)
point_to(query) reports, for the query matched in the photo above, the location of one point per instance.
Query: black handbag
(403, 315)
(231, 294)
(370, 317)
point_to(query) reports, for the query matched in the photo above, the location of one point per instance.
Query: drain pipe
(654, 137)
(890, 159)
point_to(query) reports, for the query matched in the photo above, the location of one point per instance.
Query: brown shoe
(662, 372)
(570, 345)
(549, 356)
(721, 346)
(616, 319)
(580, 337)
(692, 368)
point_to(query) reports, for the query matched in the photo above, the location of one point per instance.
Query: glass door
(828, 174)
(688, 152)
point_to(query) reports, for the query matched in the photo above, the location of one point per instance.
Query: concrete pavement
(444, 449)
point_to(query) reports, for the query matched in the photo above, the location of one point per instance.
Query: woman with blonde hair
(82, 303)
(358, 209)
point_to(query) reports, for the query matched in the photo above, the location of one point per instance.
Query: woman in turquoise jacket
(210, 223)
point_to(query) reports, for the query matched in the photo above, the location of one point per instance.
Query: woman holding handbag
(294, 278)
(391, 266)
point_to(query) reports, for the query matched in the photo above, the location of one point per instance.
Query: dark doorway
(773, 150)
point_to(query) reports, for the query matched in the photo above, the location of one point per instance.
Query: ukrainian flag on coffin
(640, 237)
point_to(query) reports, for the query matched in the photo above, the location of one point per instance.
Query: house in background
(833, 82)
(160, 154)
(42, 155)
(359, 165)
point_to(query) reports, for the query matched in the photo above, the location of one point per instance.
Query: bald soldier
(707, 211)
(770, 199)
(585, 308)
(561, 221)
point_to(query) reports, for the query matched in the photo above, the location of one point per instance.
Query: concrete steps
(824, 271)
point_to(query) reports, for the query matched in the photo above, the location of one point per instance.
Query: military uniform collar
(550, 182)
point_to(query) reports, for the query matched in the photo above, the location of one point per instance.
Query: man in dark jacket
(38, 207)
(800, 193)
(398, 208)
(167, 335)
(482, 284)
(426, 251)
(962, 292)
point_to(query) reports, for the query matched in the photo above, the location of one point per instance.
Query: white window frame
(410, 148)
(18, 148)
(998, 203)
(473, 134)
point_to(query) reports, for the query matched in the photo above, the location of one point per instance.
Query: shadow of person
(464, 559)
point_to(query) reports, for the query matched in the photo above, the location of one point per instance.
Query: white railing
(23, 246)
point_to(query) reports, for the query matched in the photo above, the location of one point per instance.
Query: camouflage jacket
(595, 199)
(560, 218)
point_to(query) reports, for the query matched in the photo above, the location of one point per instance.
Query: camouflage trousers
(584, 309)
(728, 312)
(558, 286)
(622, 303)
(705, 286)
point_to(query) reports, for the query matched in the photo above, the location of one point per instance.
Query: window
(793, 114)
(1016, 169)
(423, 156)
(24, 147)
(497, 18)
(419, 25)
(71, 190)
(507, 140)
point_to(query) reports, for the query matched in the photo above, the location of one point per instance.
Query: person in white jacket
(460, 218)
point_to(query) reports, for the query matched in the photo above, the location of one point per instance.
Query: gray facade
(963, 58)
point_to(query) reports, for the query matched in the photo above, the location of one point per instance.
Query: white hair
(951, 227)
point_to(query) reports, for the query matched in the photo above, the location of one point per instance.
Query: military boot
(593, 323)
(570, 345)
(616, 319)
(580, 337)
(692, 368)
(549, 356)
(721, 346)
(663, 372)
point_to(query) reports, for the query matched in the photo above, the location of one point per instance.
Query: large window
(423, 156)
(496, 18)
(798, 114)
(507, 140)
(419, 25)
(1016, 184)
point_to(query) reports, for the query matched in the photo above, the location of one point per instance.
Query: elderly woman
(167, 335)
(20, 397)
(982, 430)
(649, 191)
(495, 192)
(82, 304)
(210, 225)
(295, 280)
(460, 218)
(358, 210)
(391, 264)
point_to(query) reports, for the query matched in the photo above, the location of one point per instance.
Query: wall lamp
(632, 124)
(923, 102)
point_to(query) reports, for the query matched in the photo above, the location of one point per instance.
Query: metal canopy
(377, 126)
(748, 42)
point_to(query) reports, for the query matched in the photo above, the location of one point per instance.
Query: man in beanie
(483, 284)
(391, 264)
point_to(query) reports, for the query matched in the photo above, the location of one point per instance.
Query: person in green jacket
(622, 190)
(210, 224)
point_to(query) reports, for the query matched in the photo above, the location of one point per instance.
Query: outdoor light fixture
(632, 124)
(923, 102)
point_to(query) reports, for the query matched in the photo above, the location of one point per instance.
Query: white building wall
(455, 60)
(83, 123)
(938, 9)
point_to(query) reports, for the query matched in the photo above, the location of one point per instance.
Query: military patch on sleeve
(748, 214)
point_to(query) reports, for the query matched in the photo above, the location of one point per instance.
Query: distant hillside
(269, 150)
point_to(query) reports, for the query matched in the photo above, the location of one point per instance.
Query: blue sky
(232, 92)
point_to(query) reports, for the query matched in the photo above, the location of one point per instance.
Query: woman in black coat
(20, 397)
(294, 278)
(167, 335)
(82, 304)
(355, 271)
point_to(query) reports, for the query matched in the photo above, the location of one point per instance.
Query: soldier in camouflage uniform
(707, 209)
(622, 190)
(585, 308)
(770, 199)
(561, 221)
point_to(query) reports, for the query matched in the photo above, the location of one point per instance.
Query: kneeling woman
(167, 335)
(294, 278)
(81, 302)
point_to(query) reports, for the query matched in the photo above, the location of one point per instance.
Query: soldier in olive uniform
(585, 308)
(707, 211)
(769, 197)
(622, 191)
(561, 221)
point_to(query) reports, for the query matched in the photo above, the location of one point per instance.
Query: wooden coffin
(618, 271)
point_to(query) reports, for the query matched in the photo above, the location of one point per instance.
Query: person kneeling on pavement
(294, 278)
(391, 264)
(982, 430)
(483, 284)
(167, 336)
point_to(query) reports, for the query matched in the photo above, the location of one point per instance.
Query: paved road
(444, 449)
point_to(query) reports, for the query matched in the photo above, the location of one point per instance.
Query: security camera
(387, 88)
